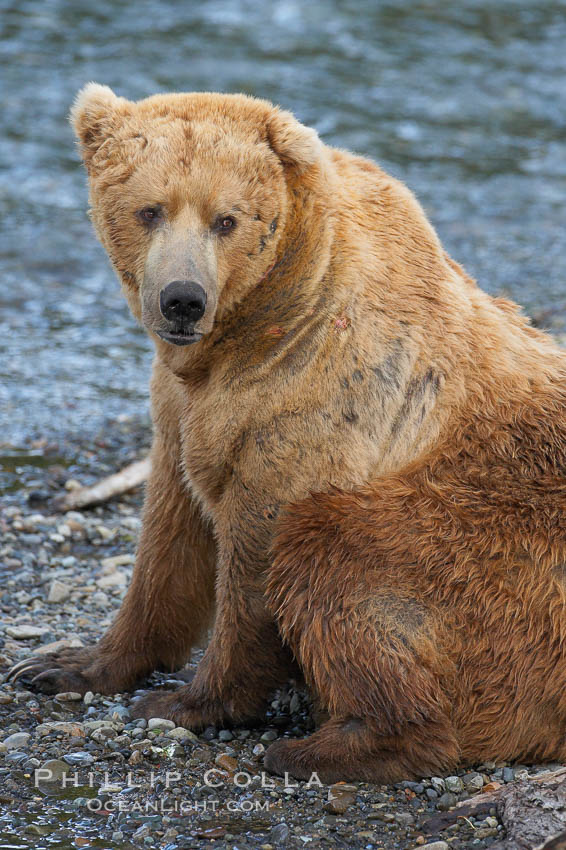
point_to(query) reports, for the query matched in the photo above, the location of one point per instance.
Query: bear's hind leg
(355, 749)
(370, 650)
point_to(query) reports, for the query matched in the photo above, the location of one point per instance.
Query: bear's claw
(41, 673)
(22, 667)
(56, 672)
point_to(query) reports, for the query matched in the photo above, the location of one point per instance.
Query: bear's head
(189, 195)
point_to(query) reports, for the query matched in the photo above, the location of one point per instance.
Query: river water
(466, 102)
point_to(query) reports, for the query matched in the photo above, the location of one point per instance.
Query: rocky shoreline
(79, 771)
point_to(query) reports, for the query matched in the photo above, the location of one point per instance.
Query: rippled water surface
(464, 101)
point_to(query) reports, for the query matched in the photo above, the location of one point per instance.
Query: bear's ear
(94, 115)
(296, 146)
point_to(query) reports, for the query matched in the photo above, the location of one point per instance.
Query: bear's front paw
(53, 673)
(80, 670)
(180, 708)
(289, 757)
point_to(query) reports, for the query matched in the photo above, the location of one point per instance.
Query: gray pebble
(454, 784)
(80, 759)
(17, 740)
(59, 591)
(473, 782)
(279, 833)
(179, 733)
(508, 774)
(225, 735)
(120, 712)
(54, 769)
(141, 832)
(268, 736)
(295, 704)
(438, 784)
(15, 757)
(25, 632)
(446, 802)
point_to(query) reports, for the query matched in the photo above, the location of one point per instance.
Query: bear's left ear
(94, 116)
(296, 146)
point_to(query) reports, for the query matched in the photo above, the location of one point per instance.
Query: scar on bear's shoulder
(389, 371)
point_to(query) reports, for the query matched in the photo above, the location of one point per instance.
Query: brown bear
(359, 458)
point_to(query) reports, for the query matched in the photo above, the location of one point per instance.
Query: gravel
(79, 770)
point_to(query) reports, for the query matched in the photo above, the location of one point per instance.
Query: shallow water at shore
(464, 102)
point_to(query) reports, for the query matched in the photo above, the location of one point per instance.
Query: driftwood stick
(557, 842)
(121, 482)
(531, 811)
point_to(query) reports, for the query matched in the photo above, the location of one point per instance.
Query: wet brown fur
(421, 587)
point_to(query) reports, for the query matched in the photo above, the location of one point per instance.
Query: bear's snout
(182, 302)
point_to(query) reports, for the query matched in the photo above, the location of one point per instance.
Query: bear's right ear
(94, 116)
(297, 146)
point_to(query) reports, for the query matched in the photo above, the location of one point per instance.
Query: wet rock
(52, 770)
(159, 723)
(446, 801)
(179, 733)
(438, 784)
(119, 712)
(473, 782)
(209, 733)
(15, 756)
(226, 762)
(79, 759)
(26, 632)
(16, 741)
(110, 564)
(268, 736)
(367, 835)
(294, 704)
(56, 645)
(58, 592)
(340, 798)
(279, 833)
(454, 784)
(61, 727)
(141, 833)
(116, 579)
(103, 734)
(68, 696)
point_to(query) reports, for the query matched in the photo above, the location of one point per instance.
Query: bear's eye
(224, 224)
(149, 215)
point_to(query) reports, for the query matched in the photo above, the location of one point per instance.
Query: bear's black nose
(183, 301)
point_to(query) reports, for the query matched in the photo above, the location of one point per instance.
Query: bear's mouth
(180, 337)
